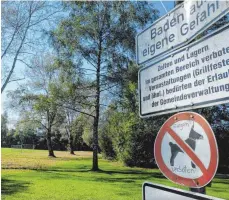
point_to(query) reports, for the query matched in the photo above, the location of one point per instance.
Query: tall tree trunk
(71, 145)
(95, 166)
(70, 140)
(49, 143)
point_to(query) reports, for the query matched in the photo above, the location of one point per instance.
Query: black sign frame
(180, 192)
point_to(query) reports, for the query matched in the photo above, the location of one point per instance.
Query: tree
(77, 129)
(22, 23)
(70, 92)
(4, 129)
(11, 138)
(103, 33)
(127, 137)
(27, 130)
(36, 100)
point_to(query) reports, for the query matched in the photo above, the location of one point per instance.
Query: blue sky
(169, 5)
(20, 67)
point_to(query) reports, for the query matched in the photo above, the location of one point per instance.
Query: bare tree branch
(25, 63)
(26, 16)
(18, 79)
(76, 110)
(17, 53)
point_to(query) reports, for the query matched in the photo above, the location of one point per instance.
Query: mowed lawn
(31, 175)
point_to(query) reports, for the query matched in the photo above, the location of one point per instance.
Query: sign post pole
(201, 190)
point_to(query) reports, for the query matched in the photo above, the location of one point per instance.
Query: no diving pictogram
(186, 150)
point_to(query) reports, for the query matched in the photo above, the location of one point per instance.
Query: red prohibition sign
(207, 173)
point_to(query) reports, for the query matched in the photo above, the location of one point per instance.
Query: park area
(32, 175)
(92, 93)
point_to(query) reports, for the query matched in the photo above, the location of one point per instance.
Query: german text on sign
(186, 150)
(181, 25)
(192, 77)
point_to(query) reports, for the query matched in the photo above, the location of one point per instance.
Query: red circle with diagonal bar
(207, 172)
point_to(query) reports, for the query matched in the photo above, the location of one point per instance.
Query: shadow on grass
(91, 177)
(10, 187)
(223, 181)
(125, 176)
(133, 172)
(109, 172)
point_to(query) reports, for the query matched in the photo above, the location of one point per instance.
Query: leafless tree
(22, 25)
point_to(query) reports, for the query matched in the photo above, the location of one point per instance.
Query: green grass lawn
(31, 175)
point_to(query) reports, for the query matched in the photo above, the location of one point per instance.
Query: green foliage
(11, 139)
(88, 135)
(138, 139)
(77, 131)
(23, 134)
(26, 134)
(103, 35)
(106, 145)
(218, 117)
(127, 137)
(4, 129)
(116, 130)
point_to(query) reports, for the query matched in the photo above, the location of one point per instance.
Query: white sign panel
(192, 77)
(152, 191)
(178, 27)
(176, 159)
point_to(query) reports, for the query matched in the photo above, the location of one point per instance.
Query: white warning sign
(186, 150)
(178, 27)
(192, 77)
